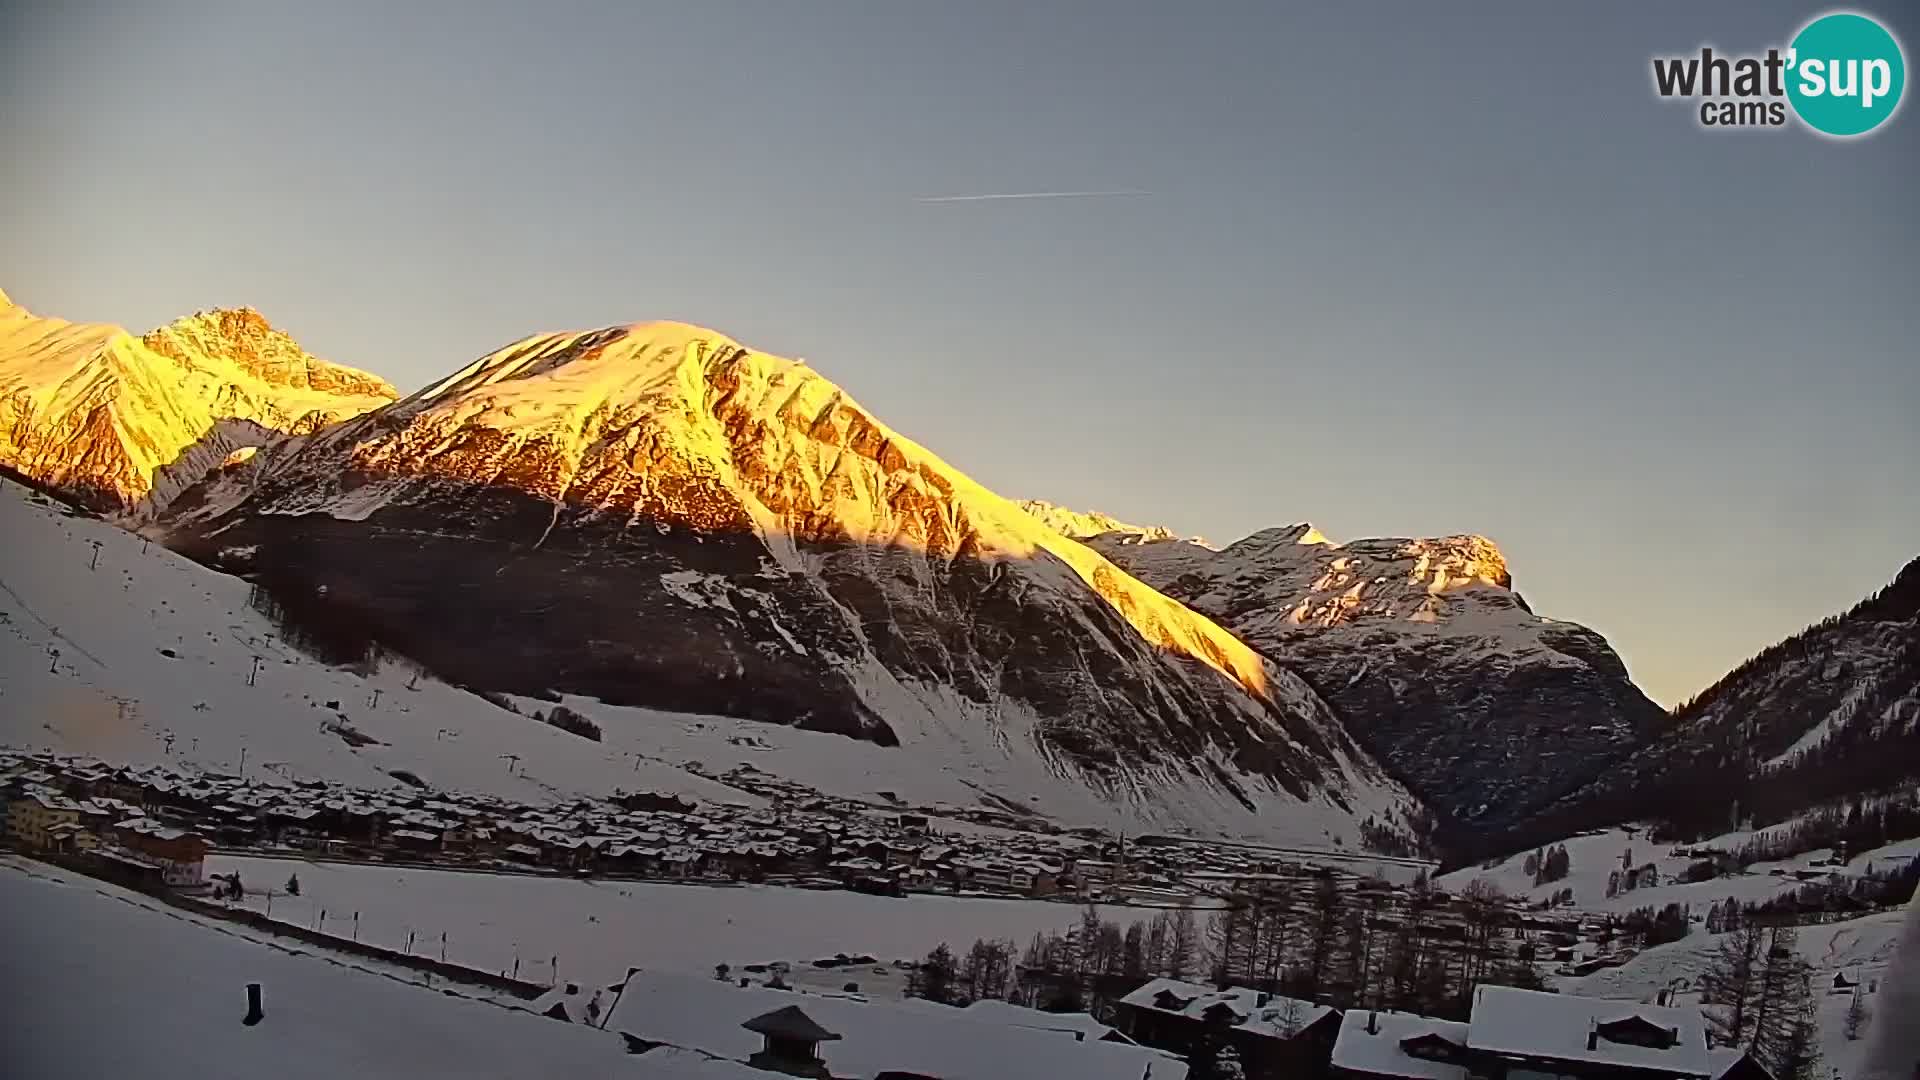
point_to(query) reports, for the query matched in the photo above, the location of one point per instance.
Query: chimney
(1260, 1002)
(1593, 1035)
(1373, 1022)
(254, 1012)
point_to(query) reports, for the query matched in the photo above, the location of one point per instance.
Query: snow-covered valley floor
(598, 929)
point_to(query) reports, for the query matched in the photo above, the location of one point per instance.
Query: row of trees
(1063, 971)
(1861, 825)
(570, 720)
(1314, 941)
(1877, 888)
(1545, 865)
(1761, 998)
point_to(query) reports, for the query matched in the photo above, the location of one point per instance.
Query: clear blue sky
(1402, 270)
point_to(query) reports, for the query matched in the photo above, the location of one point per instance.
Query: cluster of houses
(65, 803)
(101, 818)
(1511, 1034)
(1165, 1029)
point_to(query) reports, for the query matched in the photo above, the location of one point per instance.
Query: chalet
(180, 855)
(84, 783)
(1525, 1033)
(1399, 1046)
(33, 817)
(70, 837)
(123, 868)
(1274, 1036)
(415, 840)
(1091, 874)
(682, 862)
(125, 786)
(287, 824)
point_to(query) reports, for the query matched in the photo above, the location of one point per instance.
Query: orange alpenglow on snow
(126, 423)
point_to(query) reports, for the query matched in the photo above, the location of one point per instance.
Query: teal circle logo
(1845, 74)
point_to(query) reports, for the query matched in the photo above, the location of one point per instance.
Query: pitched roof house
(1399, 1046)
(1273, 1035)
(1526, 1032)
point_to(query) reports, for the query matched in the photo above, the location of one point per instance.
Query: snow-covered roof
(149, 827)
(705, 1015)
(1271, 1015)
(1381, 1051)
(1077, 1024)
(1531, 1023)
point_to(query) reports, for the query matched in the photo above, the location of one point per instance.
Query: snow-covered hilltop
(653, 515)
(116, 420)
(1484, 709)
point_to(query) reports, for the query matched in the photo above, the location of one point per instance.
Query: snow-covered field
(168, 990)
(598, 929)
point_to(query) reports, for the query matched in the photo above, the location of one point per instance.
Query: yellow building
(45, 822)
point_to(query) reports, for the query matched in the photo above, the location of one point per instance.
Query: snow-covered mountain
(1484, 709)
(119, 421)
(1076, 525)
(1831, 712)
(654, 516)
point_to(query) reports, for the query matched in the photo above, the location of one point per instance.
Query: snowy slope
(114, 694)
(111, 983)
(1593, 856)
(654, 516)
(1076, 525)
(1817, 719)
(104, 415)
(1862, 948)
(1893, 1048)
(1486, 710)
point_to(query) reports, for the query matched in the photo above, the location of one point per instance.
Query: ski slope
(113, 607)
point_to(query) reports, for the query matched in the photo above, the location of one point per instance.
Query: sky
(1397, 269)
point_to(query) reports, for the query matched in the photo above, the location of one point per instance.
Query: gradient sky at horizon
(1400, 271)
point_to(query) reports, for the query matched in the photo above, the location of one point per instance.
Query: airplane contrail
(1030, 195)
